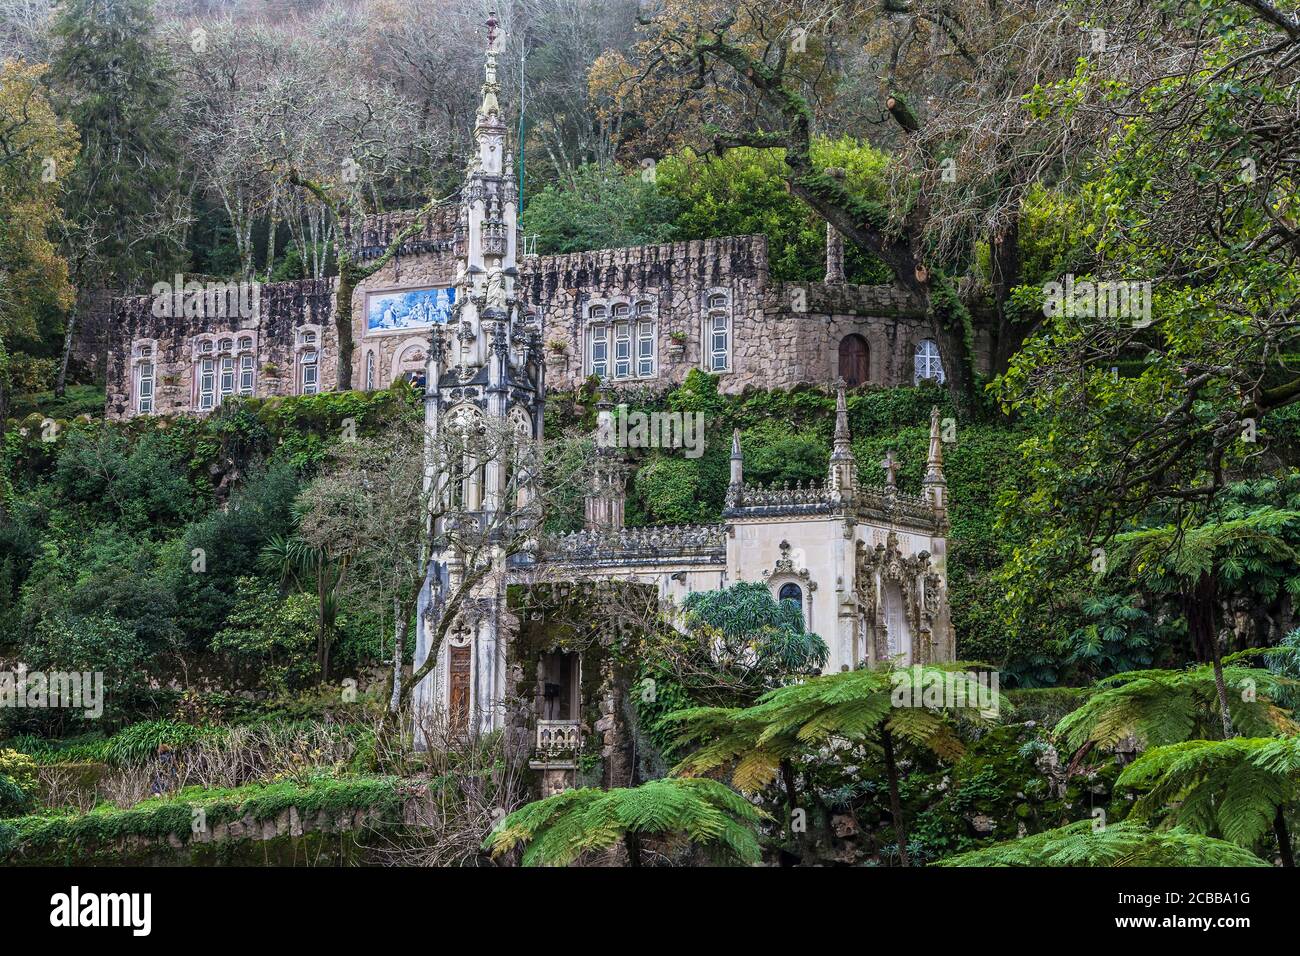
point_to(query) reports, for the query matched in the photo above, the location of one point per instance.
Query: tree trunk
(4, 416)
(1283, 837)
(633, 843)
(1201, 604)
(61, 382)
(347, 283)
(787, 776)
(1005, 261)
(399, 654)
(322, 639)
(895, 804)
(270, 233)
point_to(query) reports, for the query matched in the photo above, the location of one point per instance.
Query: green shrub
(139, 742)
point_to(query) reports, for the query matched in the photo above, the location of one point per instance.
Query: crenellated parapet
(439, 231)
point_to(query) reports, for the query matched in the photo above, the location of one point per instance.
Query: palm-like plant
(1127, 843)
(560, 829)
(308, 568)
(1235, 788)
(1189, 560)
(1161, 707)
(861, 706)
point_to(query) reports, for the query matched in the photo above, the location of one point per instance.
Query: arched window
(926, 364)
(853, 360)
(791, 592)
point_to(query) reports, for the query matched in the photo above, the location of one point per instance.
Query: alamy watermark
(206, 300)
(1098, 300)
(651, 430)
(39, 690)
(945, 690)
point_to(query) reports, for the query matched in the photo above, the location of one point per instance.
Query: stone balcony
(558, 743)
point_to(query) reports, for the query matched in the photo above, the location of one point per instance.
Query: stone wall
(783, 334)
(284, 311)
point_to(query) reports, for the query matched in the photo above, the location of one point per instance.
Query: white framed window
(622, 350)
(207, 382)
(717, 333)
(645, 348)
(226, 345)
(309, 363)
(144, 384)
(926, 363)
(205, 346)
(621, 340)
(598, 362)
(309, 337)
(227, 378)
(246, 374)
(719, 343)
(246, 344)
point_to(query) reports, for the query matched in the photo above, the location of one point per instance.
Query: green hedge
(86, 833)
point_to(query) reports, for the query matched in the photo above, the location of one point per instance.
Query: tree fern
(1127, 843)
(851, 705)
(1232, 788)
(858, 706)
(1161, 707)
(560, 829)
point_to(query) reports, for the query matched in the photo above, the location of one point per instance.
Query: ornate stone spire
(934, 485)
(842, 476)
(489, 111)
(606, 494)
(736, 487)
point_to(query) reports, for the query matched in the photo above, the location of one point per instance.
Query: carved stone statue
(496, 290)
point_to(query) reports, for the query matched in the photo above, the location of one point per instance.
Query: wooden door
(853, 360)
(458, 688)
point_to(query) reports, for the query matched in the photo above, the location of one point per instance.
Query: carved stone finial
(890, 464)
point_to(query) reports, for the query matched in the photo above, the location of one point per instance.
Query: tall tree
(769, 74)
(36, 150)
(126, 211)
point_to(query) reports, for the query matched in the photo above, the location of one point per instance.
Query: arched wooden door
(853, 360)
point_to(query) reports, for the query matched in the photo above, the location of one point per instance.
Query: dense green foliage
(560, 829)
(1121, 844)
(134, 549)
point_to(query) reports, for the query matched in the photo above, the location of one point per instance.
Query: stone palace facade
(486, 332)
